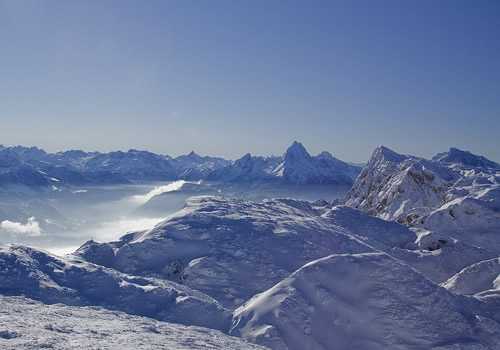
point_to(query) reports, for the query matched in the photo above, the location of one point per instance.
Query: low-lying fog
(62, 221)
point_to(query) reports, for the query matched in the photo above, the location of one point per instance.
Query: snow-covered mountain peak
(454, 155)
(245, 159)
(455, 193)
(386, 154)
(391, 185)
(297, 150)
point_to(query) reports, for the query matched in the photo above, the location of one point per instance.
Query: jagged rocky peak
(297, 150)
(454, 155)
(246, 159)
(392, 184)
(384, 153)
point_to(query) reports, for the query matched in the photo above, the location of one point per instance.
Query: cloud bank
(31, 228)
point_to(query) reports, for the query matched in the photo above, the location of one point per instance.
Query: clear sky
(229, 77)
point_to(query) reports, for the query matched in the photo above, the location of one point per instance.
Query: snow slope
(232, 249)
(482, 278)
(28, 324)
(433, 254)
(359, 301)
(51, 279)
(227, 248)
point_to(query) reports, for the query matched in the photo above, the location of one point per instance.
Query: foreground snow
(52, 279)
(29, 324)
(360, 301)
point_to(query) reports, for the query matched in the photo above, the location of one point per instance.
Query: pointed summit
(296, 148)
(382, 152)
(193, 156)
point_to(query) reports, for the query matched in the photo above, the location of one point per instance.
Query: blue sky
(229, 77)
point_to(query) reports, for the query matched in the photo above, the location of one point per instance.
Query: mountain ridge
(295, 167)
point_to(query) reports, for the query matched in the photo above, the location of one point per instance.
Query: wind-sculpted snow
(435, 255)
(360, 301)
(471, 213)
(482, 278)
(51, 279)
(28, 324)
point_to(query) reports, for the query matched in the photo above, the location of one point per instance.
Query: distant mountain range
(35, 167)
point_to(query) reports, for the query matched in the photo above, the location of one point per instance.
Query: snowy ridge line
(295, 167)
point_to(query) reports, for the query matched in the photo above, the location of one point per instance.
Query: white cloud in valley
(30, 228)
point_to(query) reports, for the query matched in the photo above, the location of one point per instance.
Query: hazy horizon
(259, 155)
